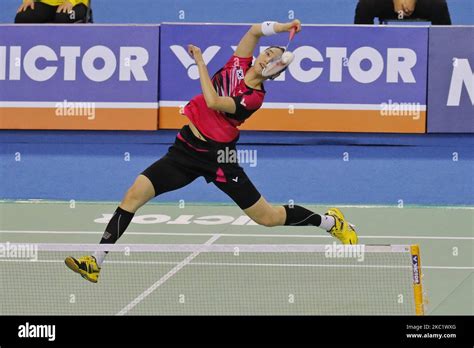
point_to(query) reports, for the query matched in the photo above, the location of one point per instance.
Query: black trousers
(435, 11)
(44, 13)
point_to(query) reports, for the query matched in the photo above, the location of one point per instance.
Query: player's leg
(162, 176)
(247, 197)
(42, 13)
(332, 221)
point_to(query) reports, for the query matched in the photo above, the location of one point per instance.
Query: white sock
(327, 222)
(100, 257)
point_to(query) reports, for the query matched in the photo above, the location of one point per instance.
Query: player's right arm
(250, 40)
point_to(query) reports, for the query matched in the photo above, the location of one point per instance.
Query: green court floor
(275, 283)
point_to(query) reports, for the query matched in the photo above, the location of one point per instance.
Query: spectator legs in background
(41, 14)
(47, 14)
(368, 10)
(435, 11)
(78, 15)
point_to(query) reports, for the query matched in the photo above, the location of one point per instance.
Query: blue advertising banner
(343, 78)
(45, 68)
(451, 80)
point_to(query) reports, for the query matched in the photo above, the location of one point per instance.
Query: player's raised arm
(249, 41)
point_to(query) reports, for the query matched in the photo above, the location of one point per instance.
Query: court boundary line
(232, 235)
(164, 278)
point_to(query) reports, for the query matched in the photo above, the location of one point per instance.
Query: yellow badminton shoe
(342, 229)
(86, 266)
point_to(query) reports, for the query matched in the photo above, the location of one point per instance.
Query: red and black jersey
(228, 82)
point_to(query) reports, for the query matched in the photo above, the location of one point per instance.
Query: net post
(417, 287)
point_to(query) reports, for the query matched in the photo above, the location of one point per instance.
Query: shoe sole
(72, 265)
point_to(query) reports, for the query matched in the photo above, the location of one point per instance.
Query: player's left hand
(66, 7)
(195, 53)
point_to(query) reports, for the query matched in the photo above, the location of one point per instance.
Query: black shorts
(189, 158)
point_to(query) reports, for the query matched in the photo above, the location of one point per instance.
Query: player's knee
(267, 220)
(135, 196)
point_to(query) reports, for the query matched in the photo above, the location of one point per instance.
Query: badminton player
(231, 96)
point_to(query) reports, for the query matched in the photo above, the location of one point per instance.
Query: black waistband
(189, 136)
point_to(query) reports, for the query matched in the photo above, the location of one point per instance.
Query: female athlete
(231, 96)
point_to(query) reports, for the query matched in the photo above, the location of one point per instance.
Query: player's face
(265, 57)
